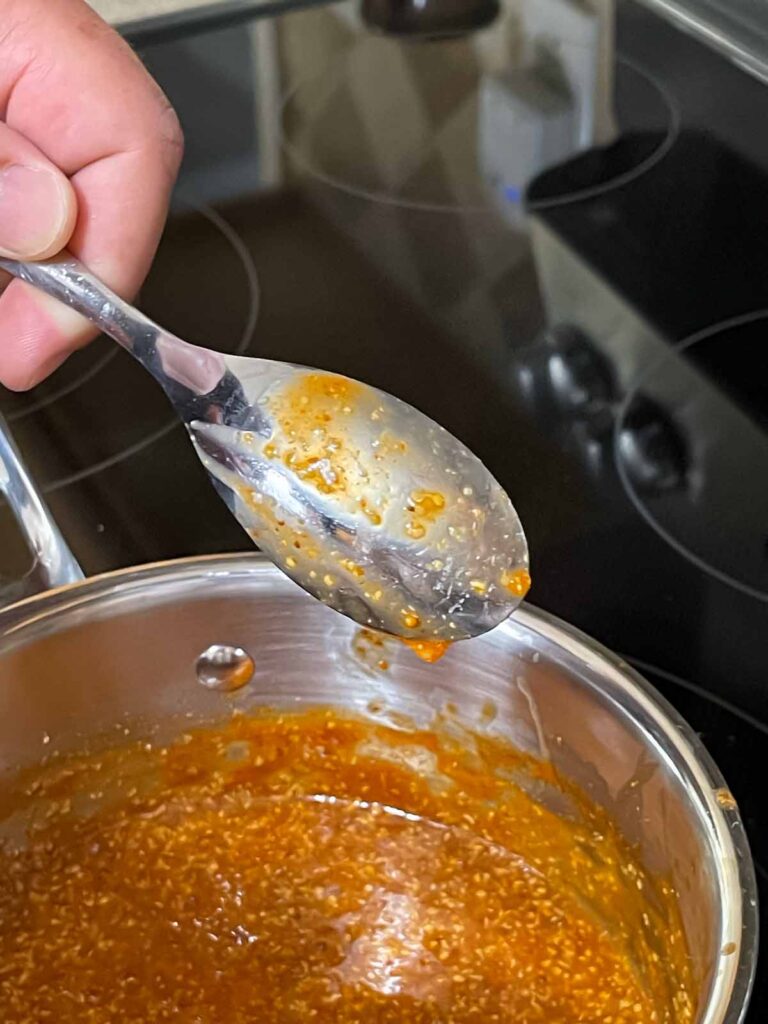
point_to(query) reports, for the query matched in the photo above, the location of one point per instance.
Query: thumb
(38, 208)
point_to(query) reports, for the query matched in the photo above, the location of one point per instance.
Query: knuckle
(170, 136)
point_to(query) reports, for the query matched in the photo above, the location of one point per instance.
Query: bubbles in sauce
(313, 438)
(283, 868)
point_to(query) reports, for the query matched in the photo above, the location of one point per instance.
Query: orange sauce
(313, 438)
(428, 650)
(309, 436)
(409, 618)
(423, 508)
(517, 581)
(389, 444)
(309, 866)
(428, 505)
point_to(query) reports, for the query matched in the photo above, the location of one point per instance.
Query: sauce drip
(517, 582)
(428, 650)
(288, 868)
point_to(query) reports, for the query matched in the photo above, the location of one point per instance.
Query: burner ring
(65, 389)
(422, 170)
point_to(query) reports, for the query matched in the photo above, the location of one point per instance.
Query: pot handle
(55, 565)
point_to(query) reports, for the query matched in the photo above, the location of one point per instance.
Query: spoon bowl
(364, 501)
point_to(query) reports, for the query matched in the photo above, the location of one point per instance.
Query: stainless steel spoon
(365, 502)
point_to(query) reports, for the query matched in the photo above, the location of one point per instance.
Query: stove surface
(558, 350)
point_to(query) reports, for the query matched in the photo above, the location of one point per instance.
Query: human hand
(89, 152)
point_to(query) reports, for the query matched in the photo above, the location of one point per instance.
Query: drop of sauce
(726, 799)
(411, 619)
(428, 650)
(517, 581)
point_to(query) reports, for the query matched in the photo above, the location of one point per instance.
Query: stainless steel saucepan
(124, 648)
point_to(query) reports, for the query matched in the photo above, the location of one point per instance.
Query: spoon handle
(66, 279)
(174, 363)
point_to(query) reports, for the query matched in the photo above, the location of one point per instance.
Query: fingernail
(34, 209)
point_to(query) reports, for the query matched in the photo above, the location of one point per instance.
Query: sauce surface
(291, 868)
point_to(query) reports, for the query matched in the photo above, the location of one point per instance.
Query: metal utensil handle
(55, 565)
(67, 279)
(185, 371)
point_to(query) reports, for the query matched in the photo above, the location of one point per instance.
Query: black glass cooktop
(604, 355)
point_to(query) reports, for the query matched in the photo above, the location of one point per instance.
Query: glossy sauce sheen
(291, 868)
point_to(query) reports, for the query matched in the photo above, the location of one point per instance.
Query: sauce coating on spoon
(371, 507)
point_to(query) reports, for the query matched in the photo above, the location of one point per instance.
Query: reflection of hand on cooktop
(569, 372)
(580, 377)
(651, 447)
(565, 372)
